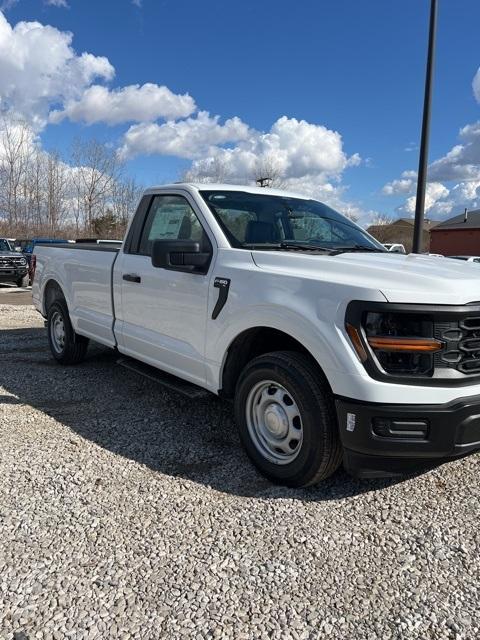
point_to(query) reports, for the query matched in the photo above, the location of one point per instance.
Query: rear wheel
(67, 347)
(286, 418)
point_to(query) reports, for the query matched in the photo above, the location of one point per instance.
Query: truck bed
(84, 271)
(82, 246)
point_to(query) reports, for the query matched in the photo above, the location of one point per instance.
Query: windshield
(250, 219)
(5, 245)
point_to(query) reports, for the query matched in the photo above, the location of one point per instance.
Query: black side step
(166, 379)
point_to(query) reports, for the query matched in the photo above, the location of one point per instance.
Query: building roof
(427, 223)
(406, 223)
(472, 221)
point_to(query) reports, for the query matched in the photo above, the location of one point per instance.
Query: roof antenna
(465, 215)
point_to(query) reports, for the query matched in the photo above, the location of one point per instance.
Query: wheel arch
(52, 291)
(253, 342)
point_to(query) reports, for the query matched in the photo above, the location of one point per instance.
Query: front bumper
(419, 436)
(13, 274)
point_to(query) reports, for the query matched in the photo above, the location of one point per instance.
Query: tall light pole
(423, 159)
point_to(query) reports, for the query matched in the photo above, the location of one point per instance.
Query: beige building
(401, 231)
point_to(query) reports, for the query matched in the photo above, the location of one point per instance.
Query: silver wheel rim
(57, 331)
(274, 422)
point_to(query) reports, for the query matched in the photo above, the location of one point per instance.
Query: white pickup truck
(331, 347)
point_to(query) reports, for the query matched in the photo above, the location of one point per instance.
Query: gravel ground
(125, 512)
(10, 294)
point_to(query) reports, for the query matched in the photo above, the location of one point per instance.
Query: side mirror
(180, 255)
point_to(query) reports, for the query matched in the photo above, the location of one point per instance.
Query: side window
(236, 221)
(169, 218)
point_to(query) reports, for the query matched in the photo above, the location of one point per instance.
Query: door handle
(131, 277)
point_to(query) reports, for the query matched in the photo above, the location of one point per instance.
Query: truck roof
(205, 186)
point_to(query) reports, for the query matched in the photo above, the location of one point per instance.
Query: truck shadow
(133, 417)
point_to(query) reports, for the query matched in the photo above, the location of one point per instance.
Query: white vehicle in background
(394, 247)
(331, 347)
(466, 258)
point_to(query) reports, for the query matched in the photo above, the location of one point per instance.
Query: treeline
(45, 194)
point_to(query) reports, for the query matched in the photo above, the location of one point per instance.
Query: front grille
(10, 263)
(462, 345)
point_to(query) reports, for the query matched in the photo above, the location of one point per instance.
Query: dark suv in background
(27, 247)
(13, 266)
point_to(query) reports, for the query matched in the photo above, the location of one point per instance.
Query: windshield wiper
(286, 244)
(308, 246)
(357, 247)
(305, 245)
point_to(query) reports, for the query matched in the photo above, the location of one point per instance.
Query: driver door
(164, 312)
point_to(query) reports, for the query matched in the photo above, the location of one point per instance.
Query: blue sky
(356, 68)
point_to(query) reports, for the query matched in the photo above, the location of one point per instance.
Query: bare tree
(124, 198)
(97, 169)
(41, 194)
(208, 171)
(267, 172)
(14, 142)
(381, 219)
(57, 186)
(34, 202)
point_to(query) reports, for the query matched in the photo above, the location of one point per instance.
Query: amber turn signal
(356, 341)
(387, 343)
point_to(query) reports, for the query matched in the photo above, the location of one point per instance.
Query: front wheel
(24, 281)
(286, 418)
(67, 347)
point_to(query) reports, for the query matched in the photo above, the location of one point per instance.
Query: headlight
(23, 262)
(403, 344)
(395, 342)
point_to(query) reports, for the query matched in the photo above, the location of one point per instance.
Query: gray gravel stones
(128, 512)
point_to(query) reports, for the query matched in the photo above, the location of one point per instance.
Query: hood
(400, 278)
(10, 254)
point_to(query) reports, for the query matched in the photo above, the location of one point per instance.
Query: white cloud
(435, 195)
(38, 67)
(17, 138)
(57, 3)
(435, 192)
(132, 103)
(299, 149)
(188, 138)
(439, 199)
(405, 185)
(466, 192)
(462, 162)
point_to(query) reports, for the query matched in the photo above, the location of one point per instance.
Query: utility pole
(423, 159)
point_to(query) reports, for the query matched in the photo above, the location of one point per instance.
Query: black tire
(73, 348)
(23, 282)
(318, 450)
